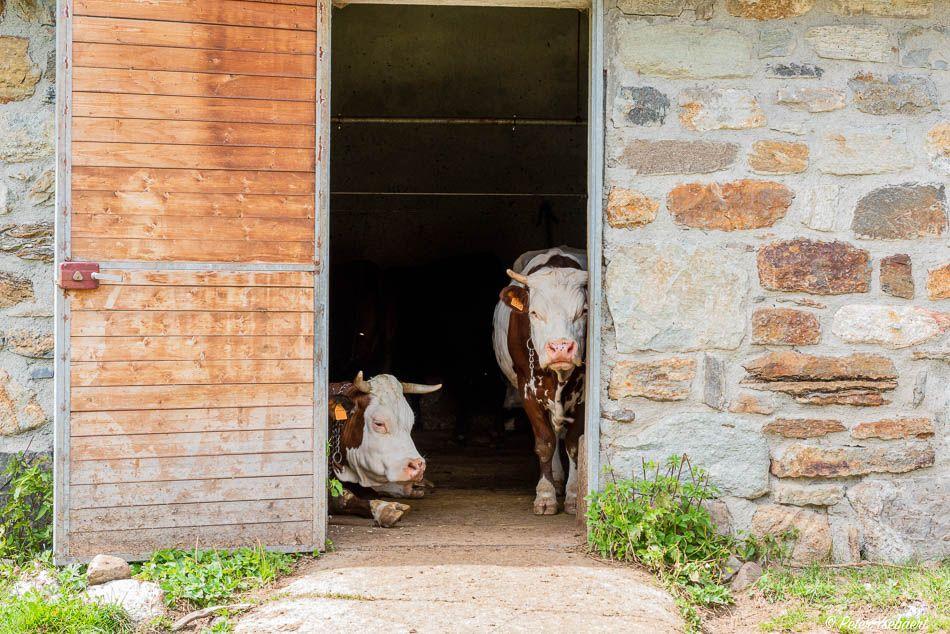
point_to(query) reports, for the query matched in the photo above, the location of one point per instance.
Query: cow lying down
(371, 448)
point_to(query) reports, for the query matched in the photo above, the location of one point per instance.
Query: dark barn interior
(458, 142)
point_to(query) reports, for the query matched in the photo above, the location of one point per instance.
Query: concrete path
(465, 561)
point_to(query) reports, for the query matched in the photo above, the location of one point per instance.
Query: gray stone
(925, 48)
(812, 99)
(807, 494)
(666, 298)
(904, 519)
(889, 326)
(865, 151)
(813, 543)
(900, 94)
(143, 600)
(714, 382)
(884, 8)
(822, 205)
(748, 574)
(40, 373)
(859, 43)
(43, 191)
(684, 52)
(731, 567)
(26, 136)
(730, 449)
(793, 70)
(705, 109)
(644, 105)
(672, 8)
(4, 199)
(677, 156)
(775, 43)
(901, 212)
(106, 568)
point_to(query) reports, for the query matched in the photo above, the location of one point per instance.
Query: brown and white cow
(540, 328)
(371, 447)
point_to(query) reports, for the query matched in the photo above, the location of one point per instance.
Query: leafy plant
(26, 513)
(335, 487)
(66, 613)
(658, 520)
(201, 578)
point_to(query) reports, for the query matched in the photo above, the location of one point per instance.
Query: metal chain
(336, 443)
(531, 360)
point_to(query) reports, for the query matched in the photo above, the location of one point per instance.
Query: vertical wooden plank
(595, 201)
(321, 278)
(64, 49)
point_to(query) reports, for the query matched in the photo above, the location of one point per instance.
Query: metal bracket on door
(78, 276)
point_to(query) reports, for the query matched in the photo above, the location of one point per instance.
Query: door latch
(83, 276)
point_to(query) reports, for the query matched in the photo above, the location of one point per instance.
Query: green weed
(789, 621)
(26, 512)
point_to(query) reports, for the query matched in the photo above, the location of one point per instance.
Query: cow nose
(416, 468)
(561, 349)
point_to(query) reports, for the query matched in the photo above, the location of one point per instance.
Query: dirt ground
(470, 557)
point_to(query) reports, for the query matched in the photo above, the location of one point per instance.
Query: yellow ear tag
(339, 412)
(517, 303)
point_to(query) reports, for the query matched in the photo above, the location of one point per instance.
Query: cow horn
(361, 384)
(419, 388)
(518, 277)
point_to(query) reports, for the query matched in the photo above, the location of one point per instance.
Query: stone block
(19, 409)
(795, 70)
(778, 157)
(629, 209)
(901, 212)
(903, 519)
(750, 404)
(775, 43)
(668, 298)
(884, 8)
(807, 495)
(644, 105)
(658, 380)
(732, 451)
(26, 343)
(866, 151)
(820, 268)
(106, 568)
(31, 241)
(43, 191)
(925, 48)
(894, 429)
(938, 282)
(822, 204)
(743, 204)
(812, 99)
(807, 461)
(897, 277)
(677, 156)
(684, 52)
(18, 75)
(672, 8)
(846, 41)
(714, 382)
(938, 146)
(813, 543)
(705, 109)
(803, 427)
(889, 326)
(769, 9)
(785, 327)
(26, 137)
(143, 600)
(14, 289)
(900, 94)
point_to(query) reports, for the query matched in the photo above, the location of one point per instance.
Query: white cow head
(377, 438)
(555, 300)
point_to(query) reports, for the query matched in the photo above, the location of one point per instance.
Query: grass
(852, 600)
(202, 578)
(63, 614)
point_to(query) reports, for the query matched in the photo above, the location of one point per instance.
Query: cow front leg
(386, 514)
(570, 494)
(571, 440)
(557, 467)
(545, 499)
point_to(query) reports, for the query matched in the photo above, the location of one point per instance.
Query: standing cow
(371, 448)
(540, 327)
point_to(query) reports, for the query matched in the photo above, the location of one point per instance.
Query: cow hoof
(545, 507)
(570, 505)
(387, 514)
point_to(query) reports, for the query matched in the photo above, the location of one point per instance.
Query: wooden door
(189, 170)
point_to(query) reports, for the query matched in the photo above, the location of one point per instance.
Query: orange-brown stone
(938, 282)
(769, 9)
(894, 428)
(743, 204)
(897, 277)
(808, 461)
(628, 209)
(803, 427)
(784, 326)
(778, 157)
(810, 266)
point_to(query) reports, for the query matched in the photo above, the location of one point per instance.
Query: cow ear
(516, 297)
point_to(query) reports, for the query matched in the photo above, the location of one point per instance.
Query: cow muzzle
(414, 470)
(561, 354)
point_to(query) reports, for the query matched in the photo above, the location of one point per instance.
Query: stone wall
(777, 265)
(27, 180)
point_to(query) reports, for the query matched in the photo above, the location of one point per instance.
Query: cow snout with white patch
(540, 327)
(371, 446)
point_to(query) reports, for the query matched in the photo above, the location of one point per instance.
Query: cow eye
(380, 426)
